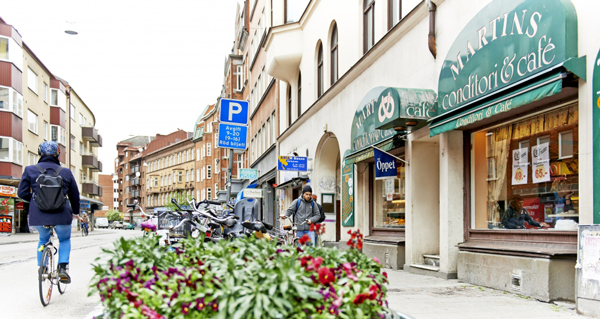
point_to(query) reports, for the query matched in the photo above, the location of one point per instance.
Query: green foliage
(181, 198)
(113, 215)
(245, 278)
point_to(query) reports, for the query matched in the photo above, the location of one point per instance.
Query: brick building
(105, 181)
(127, 164)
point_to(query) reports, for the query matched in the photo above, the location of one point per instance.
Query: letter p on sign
(234, 108)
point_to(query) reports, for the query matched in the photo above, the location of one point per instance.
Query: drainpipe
(431, 36)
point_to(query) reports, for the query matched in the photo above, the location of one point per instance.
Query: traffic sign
(234, 112)
(232, 136)
(292, 163)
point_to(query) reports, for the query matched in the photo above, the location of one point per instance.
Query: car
(117, 224)
(102, 222)
(129, 226)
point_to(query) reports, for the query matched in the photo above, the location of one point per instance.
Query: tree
(182, 200)
(113, 215)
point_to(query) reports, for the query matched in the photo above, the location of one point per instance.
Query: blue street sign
(233, 136)
(248, 173)
(292, 163)
(385, 165)
(234, 112)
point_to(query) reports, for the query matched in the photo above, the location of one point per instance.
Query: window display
(389, 197)
(525, 173)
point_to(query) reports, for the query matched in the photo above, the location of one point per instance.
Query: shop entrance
(326, 184)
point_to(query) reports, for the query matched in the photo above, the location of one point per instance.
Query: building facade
(487, 108)
(106, 183)
(33, 109)
(128, 170)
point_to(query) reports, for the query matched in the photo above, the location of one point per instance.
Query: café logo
(386, 107)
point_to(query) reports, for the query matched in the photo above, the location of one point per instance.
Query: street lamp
(69, 28)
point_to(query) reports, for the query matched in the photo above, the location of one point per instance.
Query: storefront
(508, 92)
(384, 118)
(13, 217)
(89, 206)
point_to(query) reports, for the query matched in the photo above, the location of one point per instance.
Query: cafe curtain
(498, 149)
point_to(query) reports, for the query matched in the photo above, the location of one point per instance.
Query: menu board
(519, 171)
(5, 224)
(541, 163)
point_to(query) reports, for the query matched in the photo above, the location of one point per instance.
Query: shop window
(525, 172)
(389, 196)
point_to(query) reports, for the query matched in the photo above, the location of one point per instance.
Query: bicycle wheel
(61, 287)
(45, 276)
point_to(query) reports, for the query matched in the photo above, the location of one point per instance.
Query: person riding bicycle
(304, 211)
(61, 218)
(85, 222)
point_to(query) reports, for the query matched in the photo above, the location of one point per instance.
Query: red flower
(304, 260)
(312, 227)
(304, 239)
(373, 292)
(317, 262)
(185, 308)
(326, 276)
(151, 314)
(385, 274)
(360, 298)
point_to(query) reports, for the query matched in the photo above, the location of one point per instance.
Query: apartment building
(33, 109)
(127, 170)
(106, 183)
(168, 172)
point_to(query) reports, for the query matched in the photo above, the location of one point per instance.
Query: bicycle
(47, 272)
(84, 229)
(285, 231)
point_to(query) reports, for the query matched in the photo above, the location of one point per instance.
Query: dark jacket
(512, 219)
(28, 186)
(305, 211)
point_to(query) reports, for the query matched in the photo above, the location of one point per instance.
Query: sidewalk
(424, 297)
(33, 237)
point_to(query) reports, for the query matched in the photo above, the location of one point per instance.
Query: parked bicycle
(47, 272)
(288, 232)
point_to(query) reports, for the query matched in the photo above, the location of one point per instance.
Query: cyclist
(305, 210)
(61, 218)
(85, 222)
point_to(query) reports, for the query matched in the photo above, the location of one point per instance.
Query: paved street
(19, 297)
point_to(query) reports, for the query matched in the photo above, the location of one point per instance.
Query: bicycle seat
(267, 225)
(287, 227)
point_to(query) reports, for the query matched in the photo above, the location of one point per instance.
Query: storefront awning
(515, 98)
(90, 203)
(292, 182)
(368, 152)
(406, 108)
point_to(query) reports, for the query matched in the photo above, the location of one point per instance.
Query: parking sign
(232, 136)
(234, 112)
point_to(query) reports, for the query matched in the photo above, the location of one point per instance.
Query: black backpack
(49, 196)
(322, 218)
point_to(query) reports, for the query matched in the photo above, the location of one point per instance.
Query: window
(394, 12)
(187, 155)
(45, 92)
(45, 130)
(299, 97)
(72, 113)
(81, 120)
(239, 163)
(179, 158)
(11, 101)
(72, 145)
(187, 175)
(127, 179)
(3, 48)
(239, 78)
(32, 81)
(293, 10)
(203, 151)
(198, 175)
(198, 151)
(389, 197)
(32, 122)
(216, 188)
(289, 108)
(529, 163)
(565, 144)
(217, 166)
(320, 71)
(368, 25)
(203, 173)
(208, 127)
(208, 172)
(208, 151)
(58, 134)
(191, 175)
(203, 194)
(180, 177)
(334, 55)
(32, 158)
(208, 194)
(192, 153)
(58, 98)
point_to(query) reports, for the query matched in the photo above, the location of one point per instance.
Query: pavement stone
(33, 237)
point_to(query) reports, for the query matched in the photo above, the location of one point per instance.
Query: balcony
(91, 134)
(180, 186)
(91, 188)
(153, 190)
(135, 169)
(92, 162)
(135, 194)
(135, 181)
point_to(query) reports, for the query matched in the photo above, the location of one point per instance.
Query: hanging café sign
(508, 42)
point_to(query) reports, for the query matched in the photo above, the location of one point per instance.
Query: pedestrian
(61, 214)
(303, 209)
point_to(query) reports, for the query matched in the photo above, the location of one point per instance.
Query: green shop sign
(348, 195)
(506, 42)
(383, 108)
(596, 136)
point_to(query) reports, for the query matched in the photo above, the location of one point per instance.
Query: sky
(142, 66)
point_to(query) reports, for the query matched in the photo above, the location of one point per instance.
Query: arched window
(334, 55)
(289, 108)
(320, 71)
(299, 93)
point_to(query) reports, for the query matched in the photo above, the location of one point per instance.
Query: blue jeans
(311, 235)
(64, 238)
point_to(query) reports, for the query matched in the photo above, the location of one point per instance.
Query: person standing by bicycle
(303, 209)
(43, 212)
(85, 223)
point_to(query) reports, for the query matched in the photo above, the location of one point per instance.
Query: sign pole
(396, 157)
(229, 175)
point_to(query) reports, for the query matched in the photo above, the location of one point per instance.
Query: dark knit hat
(306, 188)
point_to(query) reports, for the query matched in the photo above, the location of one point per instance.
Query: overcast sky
(142, 66)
